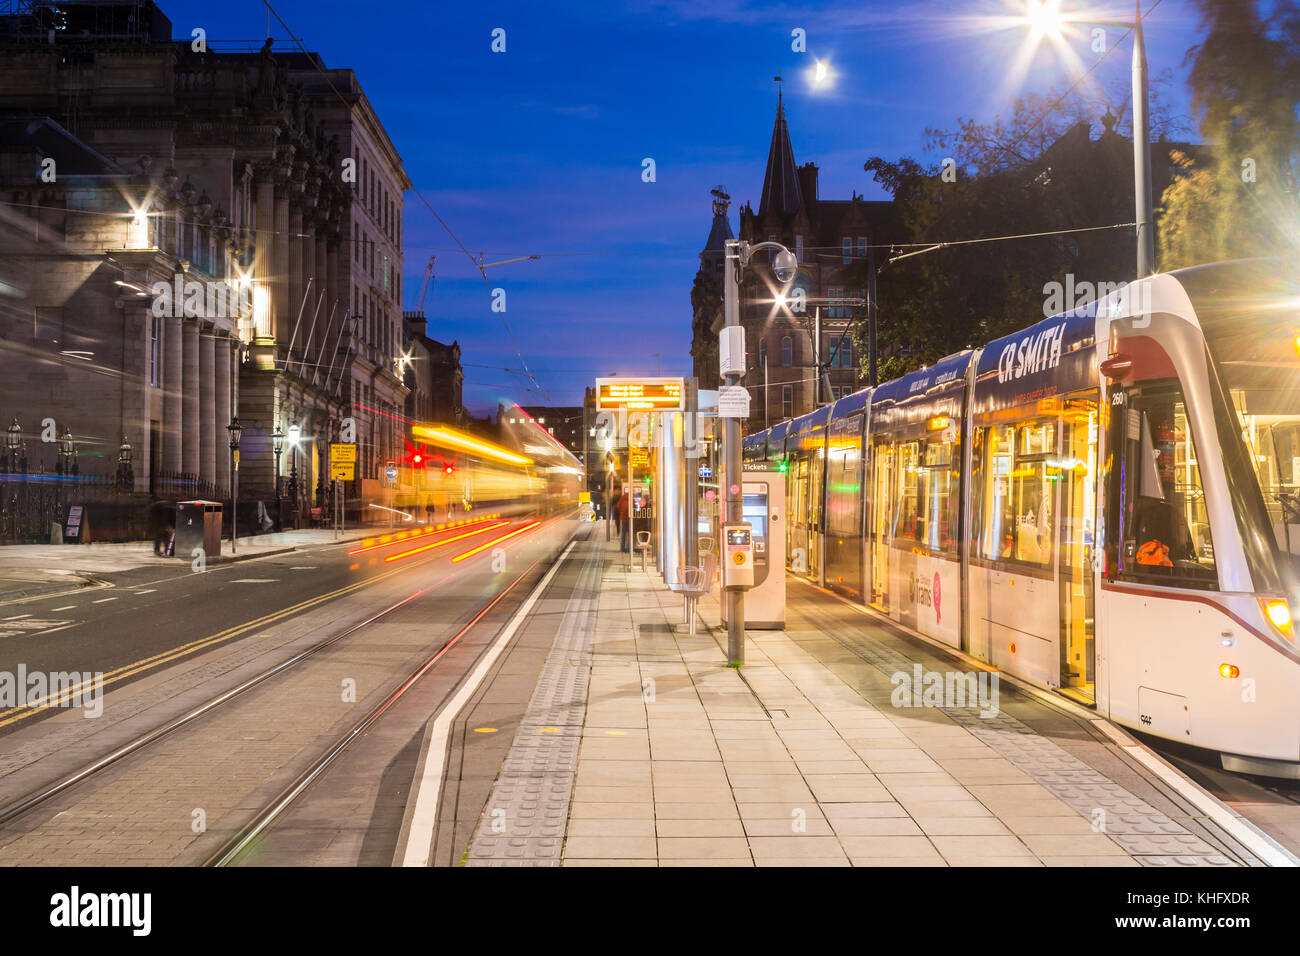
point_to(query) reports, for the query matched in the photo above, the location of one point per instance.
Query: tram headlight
(1278, 613)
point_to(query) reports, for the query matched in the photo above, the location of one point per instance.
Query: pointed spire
(781, 193)
(721, 229)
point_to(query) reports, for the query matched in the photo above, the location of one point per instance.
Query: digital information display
(659, 394)
(738, 538)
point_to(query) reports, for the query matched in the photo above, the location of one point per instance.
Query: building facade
(789, 347)
(433, 375)
(230, 245)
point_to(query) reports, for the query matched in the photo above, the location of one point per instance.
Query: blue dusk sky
(539, 150)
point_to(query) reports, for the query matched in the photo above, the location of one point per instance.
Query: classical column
(207, 406)
(284, 315)
(223, 410)
(173, 388)
(137, 324)
(191, 460)
(299, 314)
(264, 244)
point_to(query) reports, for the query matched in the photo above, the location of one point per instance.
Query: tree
(1039, 171)
(1241, 199)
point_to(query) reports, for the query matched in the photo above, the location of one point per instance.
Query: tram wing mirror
(1117, 366)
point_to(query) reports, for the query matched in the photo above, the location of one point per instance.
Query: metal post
(234, 498)
(631, 501)
(731, 456)
(1146, 246)
(873, 370)
(817, 357)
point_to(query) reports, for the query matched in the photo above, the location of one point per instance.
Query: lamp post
(294, 433)
(786, 267)
(125, 474)
(277, 446)
(235, 429)
(14, 439)
(67, 464)
(1046, 18)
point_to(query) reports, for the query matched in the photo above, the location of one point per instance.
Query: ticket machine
(763, 511)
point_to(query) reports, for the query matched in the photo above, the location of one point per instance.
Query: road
(169, 641)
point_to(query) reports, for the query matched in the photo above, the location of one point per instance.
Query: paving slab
(801, 758)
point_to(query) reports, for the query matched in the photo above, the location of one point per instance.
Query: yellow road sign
(340, 453)
(344, 470)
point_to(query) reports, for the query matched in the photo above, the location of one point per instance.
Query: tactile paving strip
(1151, 837)
(524, 821)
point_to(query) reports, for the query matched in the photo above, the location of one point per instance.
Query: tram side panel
(914, 507)
(1032, 494)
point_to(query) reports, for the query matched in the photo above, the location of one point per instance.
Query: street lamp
(125, 475)
(67, 449)
(277, 446)
(786, 267)
(236, 430)
(13, 439)
(294, 433)
(1045, 19)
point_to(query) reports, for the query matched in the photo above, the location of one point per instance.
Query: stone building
(432, 373)
(827, 236)
(263, 180)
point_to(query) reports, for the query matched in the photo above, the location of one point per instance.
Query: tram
(1105, 504)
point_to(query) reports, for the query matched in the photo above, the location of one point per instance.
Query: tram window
(1166, 525)
(1272, 436)
(1015, 520)
(909, 523)
(938, 496)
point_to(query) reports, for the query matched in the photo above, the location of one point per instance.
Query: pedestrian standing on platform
(615, 496)
(624, 520)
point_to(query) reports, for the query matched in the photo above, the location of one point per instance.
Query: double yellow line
(15, 714)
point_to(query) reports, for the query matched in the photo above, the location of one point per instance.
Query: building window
(787, 351)
(836, 309)
(787, 401)
(847, 250)
(798, 248)
(862, 247)
(154, 328)
(762, 353)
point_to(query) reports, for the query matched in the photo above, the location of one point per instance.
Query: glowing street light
(1045, 19)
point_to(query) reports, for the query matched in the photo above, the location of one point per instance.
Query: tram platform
(642, 747)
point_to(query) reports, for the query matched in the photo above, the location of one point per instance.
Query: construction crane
(428, 278)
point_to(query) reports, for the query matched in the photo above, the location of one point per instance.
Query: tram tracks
(246, 834)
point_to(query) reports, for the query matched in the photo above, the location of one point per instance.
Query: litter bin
(198, 525)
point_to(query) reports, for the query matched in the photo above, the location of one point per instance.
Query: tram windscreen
(1251, 321)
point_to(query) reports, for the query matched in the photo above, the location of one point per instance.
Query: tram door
(882, 484)
(1078, 487)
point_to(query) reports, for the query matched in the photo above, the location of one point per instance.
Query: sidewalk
(801, 758)
(33, 569)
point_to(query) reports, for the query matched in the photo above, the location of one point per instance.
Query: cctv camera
(785, 265)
